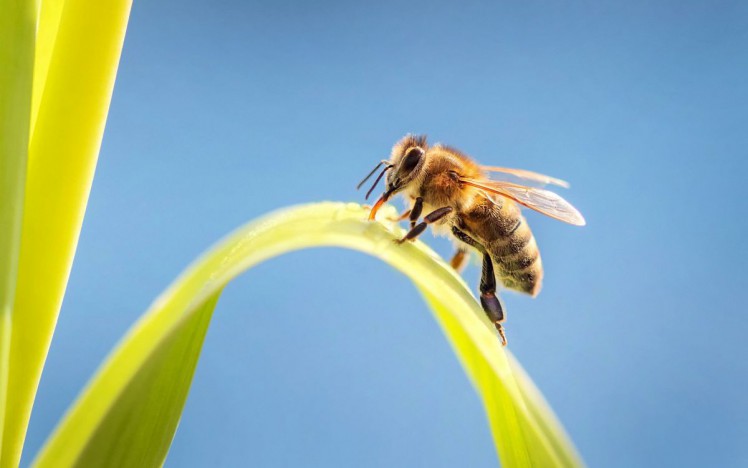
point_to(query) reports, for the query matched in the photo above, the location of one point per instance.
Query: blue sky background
(224, 111)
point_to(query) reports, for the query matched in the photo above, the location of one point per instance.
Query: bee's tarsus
(502, 336)
(401, 217)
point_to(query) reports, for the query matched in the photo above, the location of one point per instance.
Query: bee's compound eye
(411, 159)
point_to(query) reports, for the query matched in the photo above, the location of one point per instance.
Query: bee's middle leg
(458, 259)
(418, 229)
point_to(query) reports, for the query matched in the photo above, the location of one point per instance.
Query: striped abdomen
(517, 259)
(504, 233)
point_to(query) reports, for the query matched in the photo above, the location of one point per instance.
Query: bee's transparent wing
(529, 175)
(539, 200)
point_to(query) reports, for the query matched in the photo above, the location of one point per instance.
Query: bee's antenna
(379, 177)
(370, 174)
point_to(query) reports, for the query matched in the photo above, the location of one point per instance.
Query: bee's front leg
(415, 212)
(404, 215)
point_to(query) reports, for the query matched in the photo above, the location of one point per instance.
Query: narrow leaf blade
(17, 27)
(63, 149)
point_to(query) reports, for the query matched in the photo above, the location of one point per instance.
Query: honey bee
(482, 214)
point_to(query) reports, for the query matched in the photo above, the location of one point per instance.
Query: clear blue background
(224, 111)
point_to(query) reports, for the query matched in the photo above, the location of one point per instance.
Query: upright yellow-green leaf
(46, 34)
(80, 50)
(17, 26)
(128, 413)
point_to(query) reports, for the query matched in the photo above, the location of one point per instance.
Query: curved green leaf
(128, 413)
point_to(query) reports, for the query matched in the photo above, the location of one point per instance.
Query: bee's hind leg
(489, 301)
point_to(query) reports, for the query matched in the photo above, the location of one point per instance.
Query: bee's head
(403, 167)
(406, 163)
